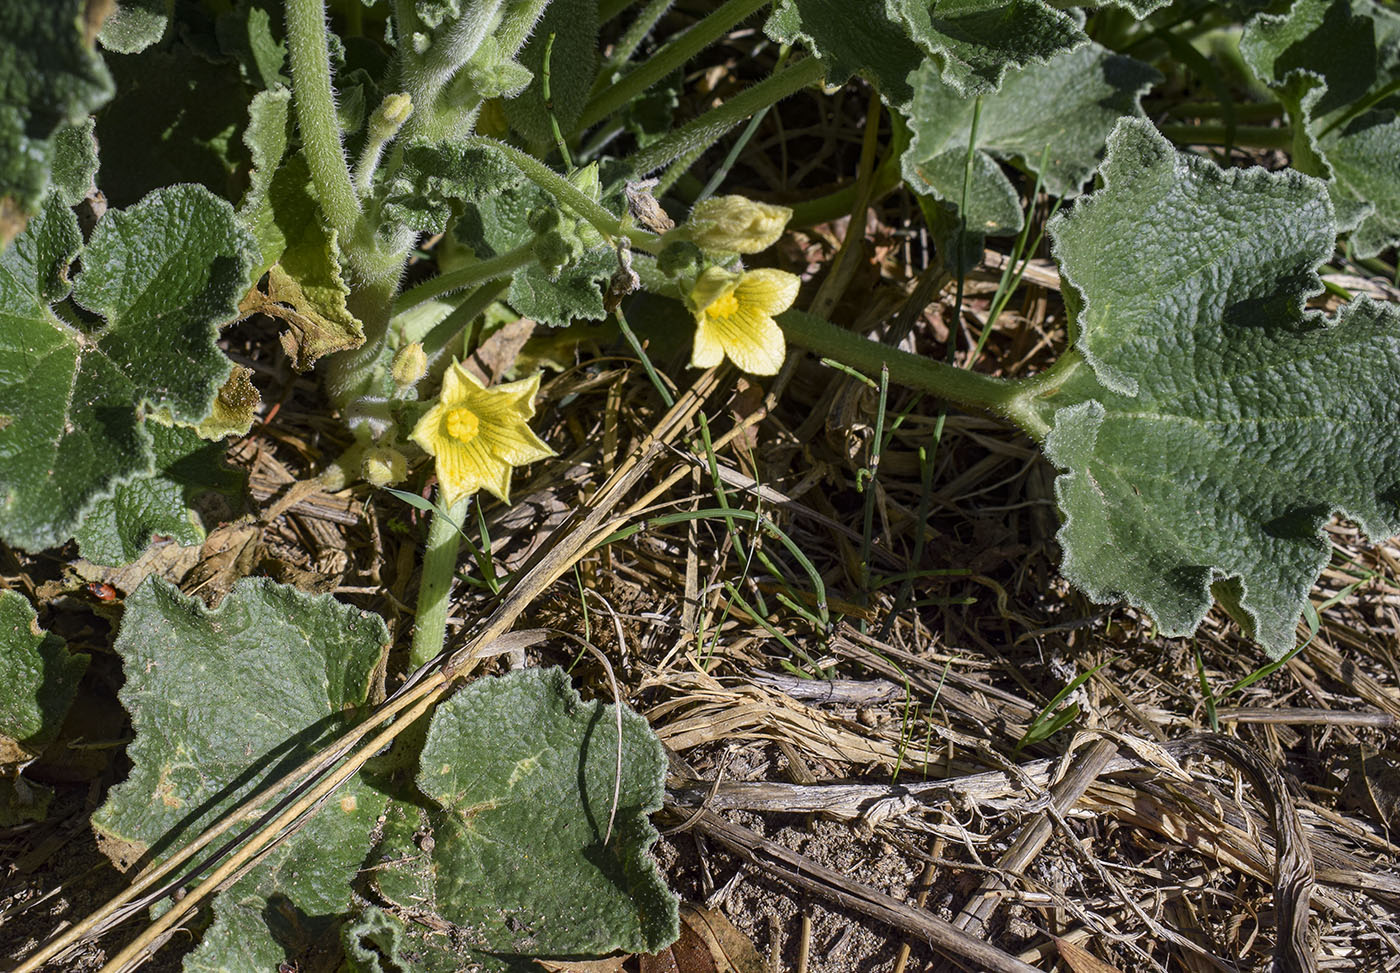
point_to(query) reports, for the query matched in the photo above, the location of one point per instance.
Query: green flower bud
(389, 117)
(734, 224)
(383, 466)
(409, 365)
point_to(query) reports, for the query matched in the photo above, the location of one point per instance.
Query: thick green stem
(567, 194)
(708, 128)
(439, 569)
(316, 117)
(1003, 397)
(1248, 136)
(500, 265)
(674, 54)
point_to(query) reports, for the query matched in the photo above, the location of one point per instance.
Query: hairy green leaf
(74, 162)
(190, 486)
(50, 77)
(1335, 65)
(1062, 110)
(518, 865)
(436, 175)
(222, 701)
(500, 222)
(973, 43)
(41, 678)
(135, 25)
(160, 278)
(1209, 425)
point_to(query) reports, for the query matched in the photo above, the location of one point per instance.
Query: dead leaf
(498, 353)
(731, 950)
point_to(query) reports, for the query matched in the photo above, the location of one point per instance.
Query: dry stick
(806, 875)
(1032, 837)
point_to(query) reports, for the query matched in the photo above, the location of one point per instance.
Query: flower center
(723, 306)
(462, 425)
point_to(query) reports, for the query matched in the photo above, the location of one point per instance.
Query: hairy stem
(501, 265)
(315, 108)
(1003, 397)
(439, 568)
(671, 56)
(708, 128)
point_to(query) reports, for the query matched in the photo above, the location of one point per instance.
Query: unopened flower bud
(383, 466)
(409, 365)
(737, 225)
(389, 117)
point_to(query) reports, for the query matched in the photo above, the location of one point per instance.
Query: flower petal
(768, 291)
(514, 443)
(458, 384)
(428, 432)
(707, 351)
(751, 339)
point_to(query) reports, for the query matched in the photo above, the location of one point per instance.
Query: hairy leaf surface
(521, 773)
(1212, 424)
(190, 477)
(972, 42)
(500, 222)
(221, 701)
(159, 279)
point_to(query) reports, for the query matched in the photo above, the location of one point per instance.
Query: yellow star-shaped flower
(734, 318)
(477, 435)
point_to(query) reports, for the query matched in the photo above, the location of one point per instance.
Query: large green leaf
(40, 680)
(222, 701)
(972, 42)
(190, 477)
(50, 77)
(1060, 111)
(1335, 65)
(159, 279)
(1207, 424)
(520, 778)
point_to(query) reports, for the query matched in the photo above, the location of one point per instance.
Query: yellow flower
(736, 224)
(734, 317)
(478, 434)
